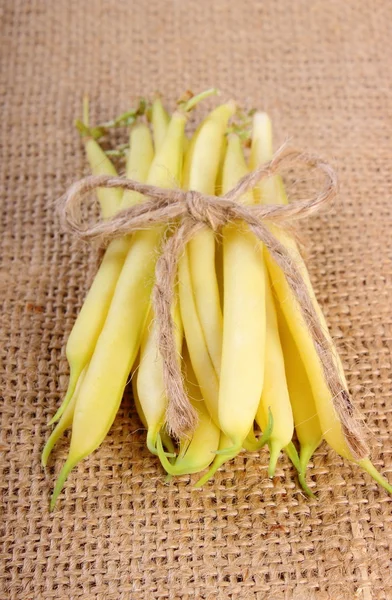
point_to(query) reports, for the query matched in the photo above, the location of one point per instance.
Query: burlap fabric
(323, 71)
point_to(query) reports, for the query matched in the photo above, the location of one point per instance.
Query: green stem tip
(52, 441)
(189, 101)
(152, 440)
(292, 453)
(275, 450)
(304, 485)
(218, 462)
(166, 464)
(252, 444)
(300, 463)
(67, 398)
(235, 449)
(65, 471)
(124, 120)
(367, 466)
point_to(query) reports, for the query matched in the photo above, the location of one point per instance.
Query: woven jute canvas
(323, 70)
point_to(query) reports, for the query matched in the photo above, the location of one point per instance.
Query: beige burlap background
(323, 71)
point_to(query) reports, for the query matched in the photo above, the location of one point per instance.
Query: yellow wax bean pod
(275, 396)
(270, 190)
(189, 146)
(166, 439)
(139, 161)
(234, 167)
(200, 358)
(218, 239)
(329, 420)
(306, 421)
(197, 453)
(187, 143)
(330, 423)
(119, 341)
(100, 164)
(109, 200)
(244, 316)
(150, 383)
(160, 122)
(201, 176)
(64, 423)
(89, 323)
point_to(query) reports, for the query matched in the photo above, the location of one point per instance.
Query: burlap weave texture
(323, 71)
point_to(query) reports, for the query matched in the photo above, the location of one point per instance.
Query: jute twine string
(188, 212)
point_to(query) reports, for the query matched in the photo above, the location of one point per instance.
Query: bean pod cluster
(248, 359)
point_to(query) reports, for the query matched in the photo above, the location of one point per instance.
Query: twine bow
(189, 212)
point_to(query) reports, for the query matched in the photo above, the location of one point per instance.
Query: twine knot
(189, 212)
(202, 210)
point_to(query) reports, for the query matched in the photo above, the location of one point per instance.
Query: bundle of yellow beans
(246, 353)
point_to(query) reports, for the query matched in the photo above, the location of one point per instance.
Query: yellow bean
(201, 361)
(206, 157)
(64, 423)
(201, 176)
(166, 439)
(160, 122)
(150, 383)
(198, 452)
(119, 341)
(330, 423)
(91, 318)
(100, 164)
(271, 190)
(329, 420)
(306, 421)
(244, 322)
(275, 396)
